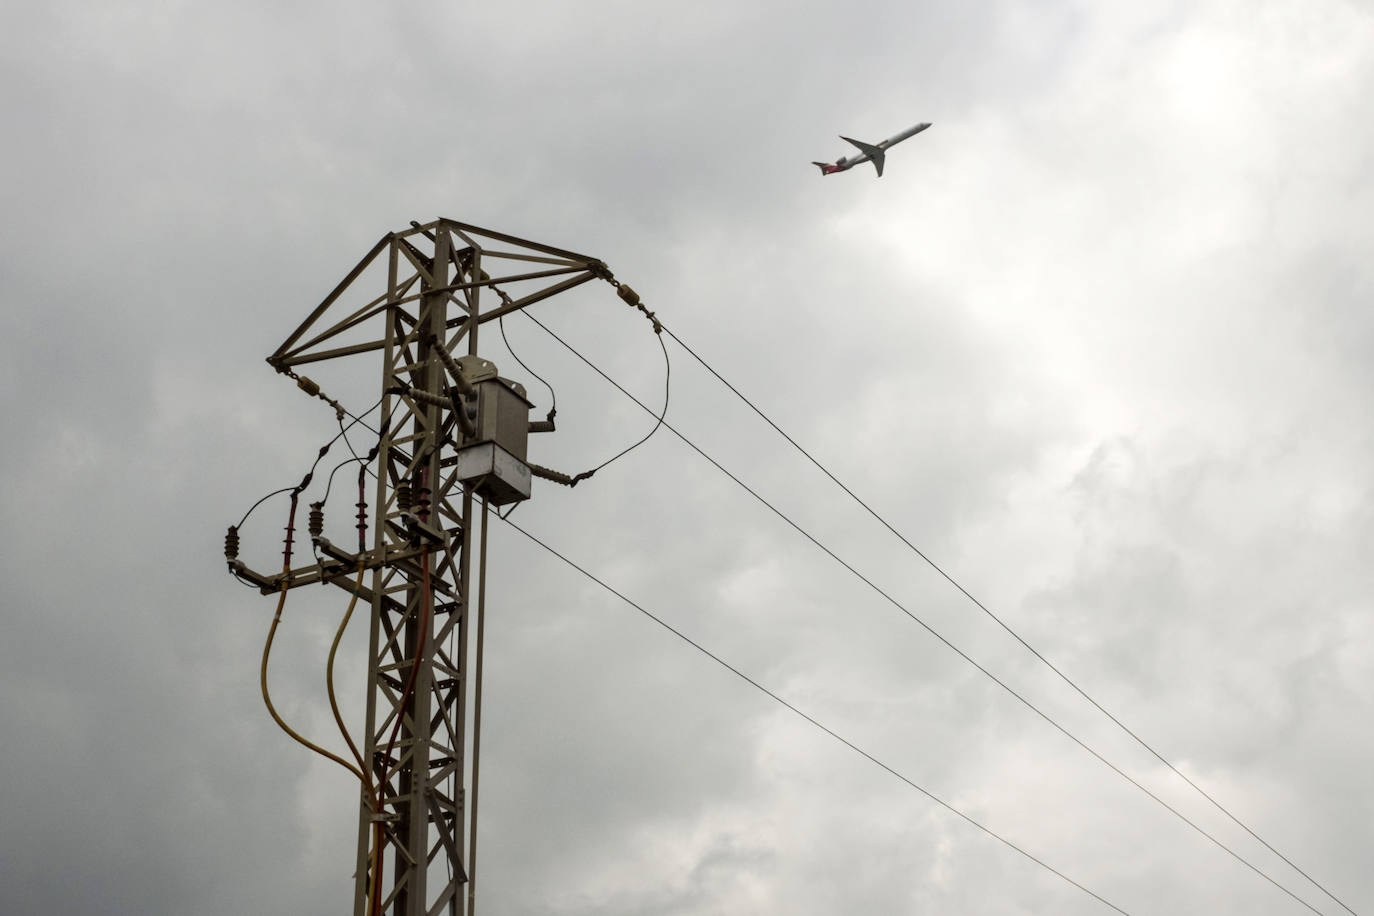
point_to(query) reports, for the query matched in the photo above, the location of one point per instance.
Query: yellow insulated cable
(329, 683)
(267, 697)
(371, 793)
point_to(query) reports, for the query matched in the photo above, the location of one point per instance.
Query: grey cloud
(1097, 342)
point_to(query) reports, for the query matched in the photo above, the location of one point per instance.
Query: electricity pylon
(452, 435)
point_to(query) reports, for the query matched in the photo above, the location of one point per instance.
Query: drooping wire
(659, 417)
(329, 682)
(329, 481)
(360, 771)
(241, 580)
(267, 696)
(998, 620)
(255, 505)
(553, 395)
(363, 463)
(929, 629)
(343, 625)
(324, 450)
(357, 419)
(371, 792)
(667, 380)
(356, 592)
(267, 653)
(343, 431)
(814, 722)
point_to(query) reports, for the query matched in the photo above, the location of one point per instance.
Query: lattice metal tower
(452, 439)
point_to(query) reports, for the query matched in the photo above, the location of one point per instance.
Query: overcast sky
(1099, 342)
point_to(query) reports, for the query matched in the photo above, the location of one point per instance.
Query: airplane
(870, 152)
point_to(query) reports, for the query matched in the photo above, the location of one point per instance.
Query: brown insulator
(403, 496)
(316, 523)
(231, 543)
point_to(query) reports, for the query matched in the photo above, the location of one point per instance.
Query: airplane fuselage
(869, 152)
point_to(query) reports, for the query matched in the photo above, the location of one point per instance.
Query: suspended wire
(343, 431)
(363, 469)
(267, 696)
(324, 450)
(667, 379)
(357, 419)
(255, 505)
(360, 770)
(329, 680)
(343, 625)
(329, 482)
(661, 421)
(833, 734)
(999, 621)
(931, 630)
(553, 395)
(371, 792)
(241, 580)
(267, 653)
(342, 434)
(659, 417)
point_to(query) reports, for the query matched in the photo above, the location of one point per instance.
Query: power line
(838, 737)
(553, 395)
(324, 450)
(659, 417)
(631, 298)
(927, 627)
(999, 621)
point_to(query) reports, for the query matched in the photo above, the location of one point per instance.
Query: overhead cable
(324, 450)
(659, 417)
(931, 630)
(553, 395)
(998, 620)
(832, 733)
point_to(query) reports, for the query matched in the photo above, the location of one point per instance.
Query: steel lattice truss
(424, 590)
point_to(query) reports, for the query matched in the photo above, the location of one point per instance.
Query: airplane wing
(868, 148)
(874, 153)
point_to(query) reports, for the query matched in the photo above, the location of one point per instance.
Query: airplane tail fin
(825, 167)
